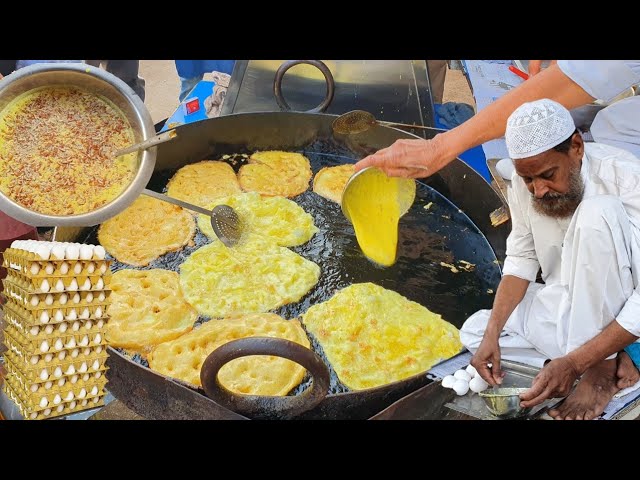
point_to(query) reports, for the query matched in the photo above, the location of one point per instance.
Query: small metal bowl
(504, 402)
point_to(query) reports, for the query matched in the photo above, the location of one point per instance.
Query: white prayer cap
(536, 127)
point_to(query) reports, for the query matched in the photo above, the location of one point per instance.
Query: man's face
(554, 180)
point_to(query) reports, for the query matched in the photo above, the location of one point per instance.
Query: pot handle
(258, 406)
(277, 84)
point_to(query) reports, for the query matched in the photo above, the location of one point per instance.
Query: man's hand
(535, 66)
(402, 158)
(488, 354)
(554, 380)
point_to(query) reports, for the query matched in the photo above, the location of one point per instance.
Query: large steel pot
(99, 82)
(155, 396)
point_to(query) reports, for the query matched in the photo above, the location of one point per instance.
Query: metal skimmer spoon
(224, 219)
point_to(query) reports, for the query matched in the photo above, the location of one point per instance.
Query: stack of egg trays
(55, 333)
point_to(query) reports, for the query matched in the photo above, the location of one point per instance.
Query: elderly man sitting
(575, 212)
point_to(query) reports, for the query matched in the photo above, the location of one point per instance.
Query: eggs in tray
(370, 335)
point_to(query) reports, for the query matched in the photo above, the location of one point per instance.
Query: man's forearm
(611, 340)
(490, 123)
(510, 293)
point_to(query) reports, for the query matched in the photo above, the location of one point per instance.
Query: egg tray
(56, 316)
(57, 268)
(33, 374)
(28, 299)
(83, 283)
(29, 347)
(30, 413)
(37, 334)
(23, 257)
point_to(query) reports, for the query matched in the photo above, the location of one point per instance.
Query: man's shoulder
(613, 164)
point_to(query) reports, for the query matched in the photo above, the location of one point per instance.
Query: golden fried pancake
(276, 173)
(280, 219)
(147, 229)
(147, 308)
(254, 375)
(373, 336)
(57, 146)
(254, 276)
(204, 182)
(329, 182)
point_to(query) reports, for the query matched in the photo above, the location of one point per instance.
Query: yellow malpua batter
(57, 148)
(374, 203)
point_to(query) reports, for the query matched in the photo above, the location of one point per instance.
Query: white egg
(70, 371)
(98, 312)
(86, 285)
(71, 343)
(48, 357)
(84, 402)
(99, 252)
(477, 384)
(86, 252)
(64, 268)
(47, 412)
(76, 326)
(86, 377)
(57, 372)
(60, 408)
(57, 399)
(448, 381)
(77, 268)
(35, 268)
(72, 314)
(89, 297)
(62, 327)
(99, 349)
(49, 268)
(73, 286)
(91, 267)
(34, 359)
(59, 286)
(33, 415)
(462, 375)
(75, 352)
(48, 329)
(43, 402)
(34, 387)
(100, 284)
(57, 251)
(35, 301)
(76, 298)
(72, 252)
(471, 370)
(43, 251)
(69, 397)
(95, 399)
(61, 382)
(63, 298)
(74, 379)
(44, 347)
(98, 374)
(88, 324)
(34, 330)
(59, 316)
(58, 345)
(82, 393)
(83, 367)
(48, 299)
(87, 351)
(94, 390)
(96, 365)
(101, 297)
(98, 338)
(48, 385)
(84, 341)
(85, 313)
(44, 286)
(72, 405)
(103, 268)
(44, 316)
(62, 355)
(461, 386)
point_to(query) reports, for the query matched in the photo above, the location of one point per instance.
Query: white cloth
(618, 123)
(590, 263)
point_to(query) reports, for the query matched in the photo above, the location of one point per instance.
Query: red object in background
(10, 230)
(191, 106)
(520, 73)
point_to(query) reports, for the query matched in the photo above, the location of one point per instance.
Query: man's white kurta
(544, 325)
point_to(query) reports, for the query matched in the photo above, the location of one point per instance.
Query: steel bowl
(504, 402)
(109, 86)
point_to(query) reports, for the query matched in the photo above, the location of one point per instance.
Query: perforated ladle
(358, 121)
(224, 219)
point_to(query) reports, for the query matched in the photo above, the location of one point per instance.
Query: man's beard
(561, 205)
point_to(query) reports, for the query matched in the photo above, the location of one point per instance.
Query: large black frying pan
(456, 227)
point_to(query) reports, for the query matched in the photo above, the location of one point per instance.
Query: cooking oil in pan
(443, 261)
